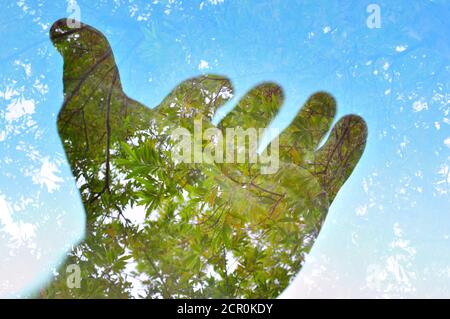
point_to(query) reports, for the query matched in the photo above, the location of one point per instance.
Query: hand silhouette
(213, 228)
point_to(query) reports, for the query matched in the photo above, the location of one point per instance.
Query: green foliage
(210, 230)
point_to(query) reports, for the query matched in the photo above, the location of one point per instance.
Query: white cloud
(420, 105)
(40, 87)
(46, 176)
(361, 210)
(447, 142)
(203, 65)
(401, 48)
(442, 185)
(437, 125)
(215, 2)
(26, 67)
(18, 231)
(326, 29)
(18, 108)
(9, 93)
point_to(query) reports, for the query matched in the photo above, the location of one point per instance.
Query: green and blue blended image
(92, 205)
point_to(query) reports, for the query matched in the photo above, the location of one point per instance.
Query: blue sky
(387, 233)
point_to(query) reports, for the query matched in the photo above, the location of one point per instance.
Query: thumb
(88, 57)
(96, 113)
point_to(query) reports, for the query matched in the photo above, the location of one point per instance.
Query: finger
(256, 109)
(96, 113)
(335, 161)
(90, 77)
(88, 58)
(308, 128)
(248, 119)
(199, 96)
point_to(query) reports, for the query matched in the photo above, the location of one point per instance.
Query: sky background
(388, 231)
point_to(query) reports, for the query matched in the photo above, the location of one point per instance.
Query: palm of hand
(212, 230)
